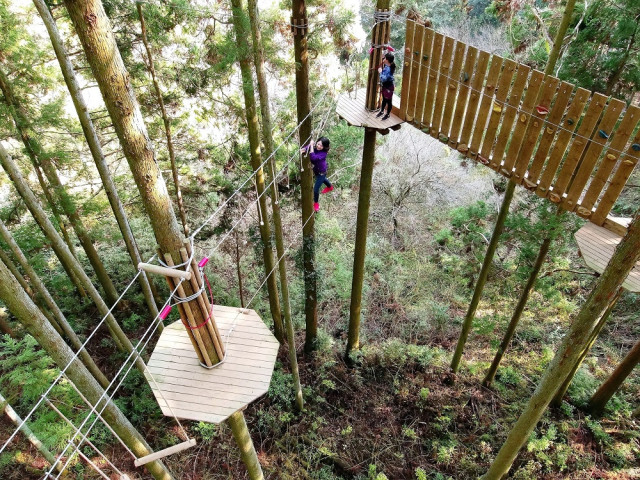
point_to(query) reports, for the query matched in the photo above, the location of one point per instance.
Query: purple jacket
(318, 160)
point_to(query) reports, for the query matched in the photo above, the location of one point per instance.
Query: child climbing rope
(318, 157)
(386, 71)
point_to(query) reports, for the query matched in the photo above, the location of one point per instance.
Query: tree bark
(243, 439)
(165, 120)
(99, 44)
(602, 396)
(482, 278)
(557, 399)
(59, 320)
(5, 328)
(25, 310)
(379, 36)
(303, 107)
(96, 150)
(626, 255)
(63, 252)
(39, 158)
(27, 432)
(559, 39)
(243, 33)
(258, 56)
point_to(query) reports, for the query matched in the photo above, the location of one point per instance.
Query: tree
(95, 148)
(40, 159)
(303, 107)
(22, 307)
(577, 338)
(267, 138)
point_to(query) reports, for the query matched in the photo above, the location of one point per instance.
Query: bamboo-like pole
(379, 36)
(482, 278)
(602, 396)
(557, 399)
(247, 450)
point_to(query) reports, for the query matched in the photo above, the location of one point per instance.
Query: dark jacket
(386, 78)
(318, 160)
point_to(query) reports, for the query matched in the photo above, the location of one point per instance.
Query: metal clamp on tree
(299, 25)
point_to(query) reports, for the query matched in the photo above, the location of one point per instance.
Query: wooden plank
(489, 90)
(423, 79)
(463, 95)
(161, 367)
(406, 70)
(373, 86)
(550, 129)
(221, 392)
(585, 131)
(608, 162)
(436, 55)
(477, 82)
(165, 452)
(625, 167)
(588, 162)
(415, 70)
(534, 126)
(509, 116)
(567, 128)
(504, 84)
(524, 113)
(452, 88)
(441, 88)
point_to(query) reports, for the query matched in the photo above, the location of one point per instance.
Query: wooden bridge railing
(561, 142)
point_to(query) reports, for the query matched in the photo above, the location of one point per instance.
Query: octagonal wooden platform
(351, 108)
(597, 245)
(211, 395)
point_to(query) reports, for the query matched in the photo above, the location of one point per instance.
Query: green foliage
(208, 431)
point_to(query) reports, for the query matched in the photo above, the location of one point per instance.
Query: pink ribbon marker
(203, 262)
(165, 312)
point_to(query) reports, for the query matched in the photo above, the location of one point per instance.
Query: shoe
(327, 189)
(385, 117)
(380, 113)
(316, 207)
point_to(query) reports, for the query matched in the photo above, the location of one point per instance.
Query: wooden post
(379, 36)
(557, 399)
(602, 396)
(301, 54)
(247, 450)
(482, 278)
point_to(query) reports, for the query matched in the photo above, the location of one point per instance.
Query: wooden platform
(597, 245)
(351, 109)
(211, 395)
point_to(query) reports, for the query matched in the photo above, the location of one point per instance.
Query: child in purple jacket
(318, 157)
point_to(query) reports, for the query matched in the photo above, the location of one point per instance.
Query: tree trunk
(165, 120)
(60, 320)
(517, 313)
(258, 56)
(243, 439)
(25, 310)
(243, 33)
(557, 399)
(98, 41)
(559, 39)
(96, 150)
(24, 428)
(40, 159)
(63, 252)
(602, 396)
(303, 107)
(14, 270)
(482, 278)
(626, 255)
(379, 36)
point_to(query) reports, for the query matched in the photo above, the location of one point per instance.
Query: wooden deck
(211, 395)
(351, 108)
(597, 245)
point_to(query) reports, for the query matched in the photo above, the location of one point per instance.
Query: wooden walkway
(597, 245)
(210, 395)
(351, 108)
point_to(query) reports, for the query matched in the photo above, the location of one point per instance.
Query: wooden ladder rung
(165, 453)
